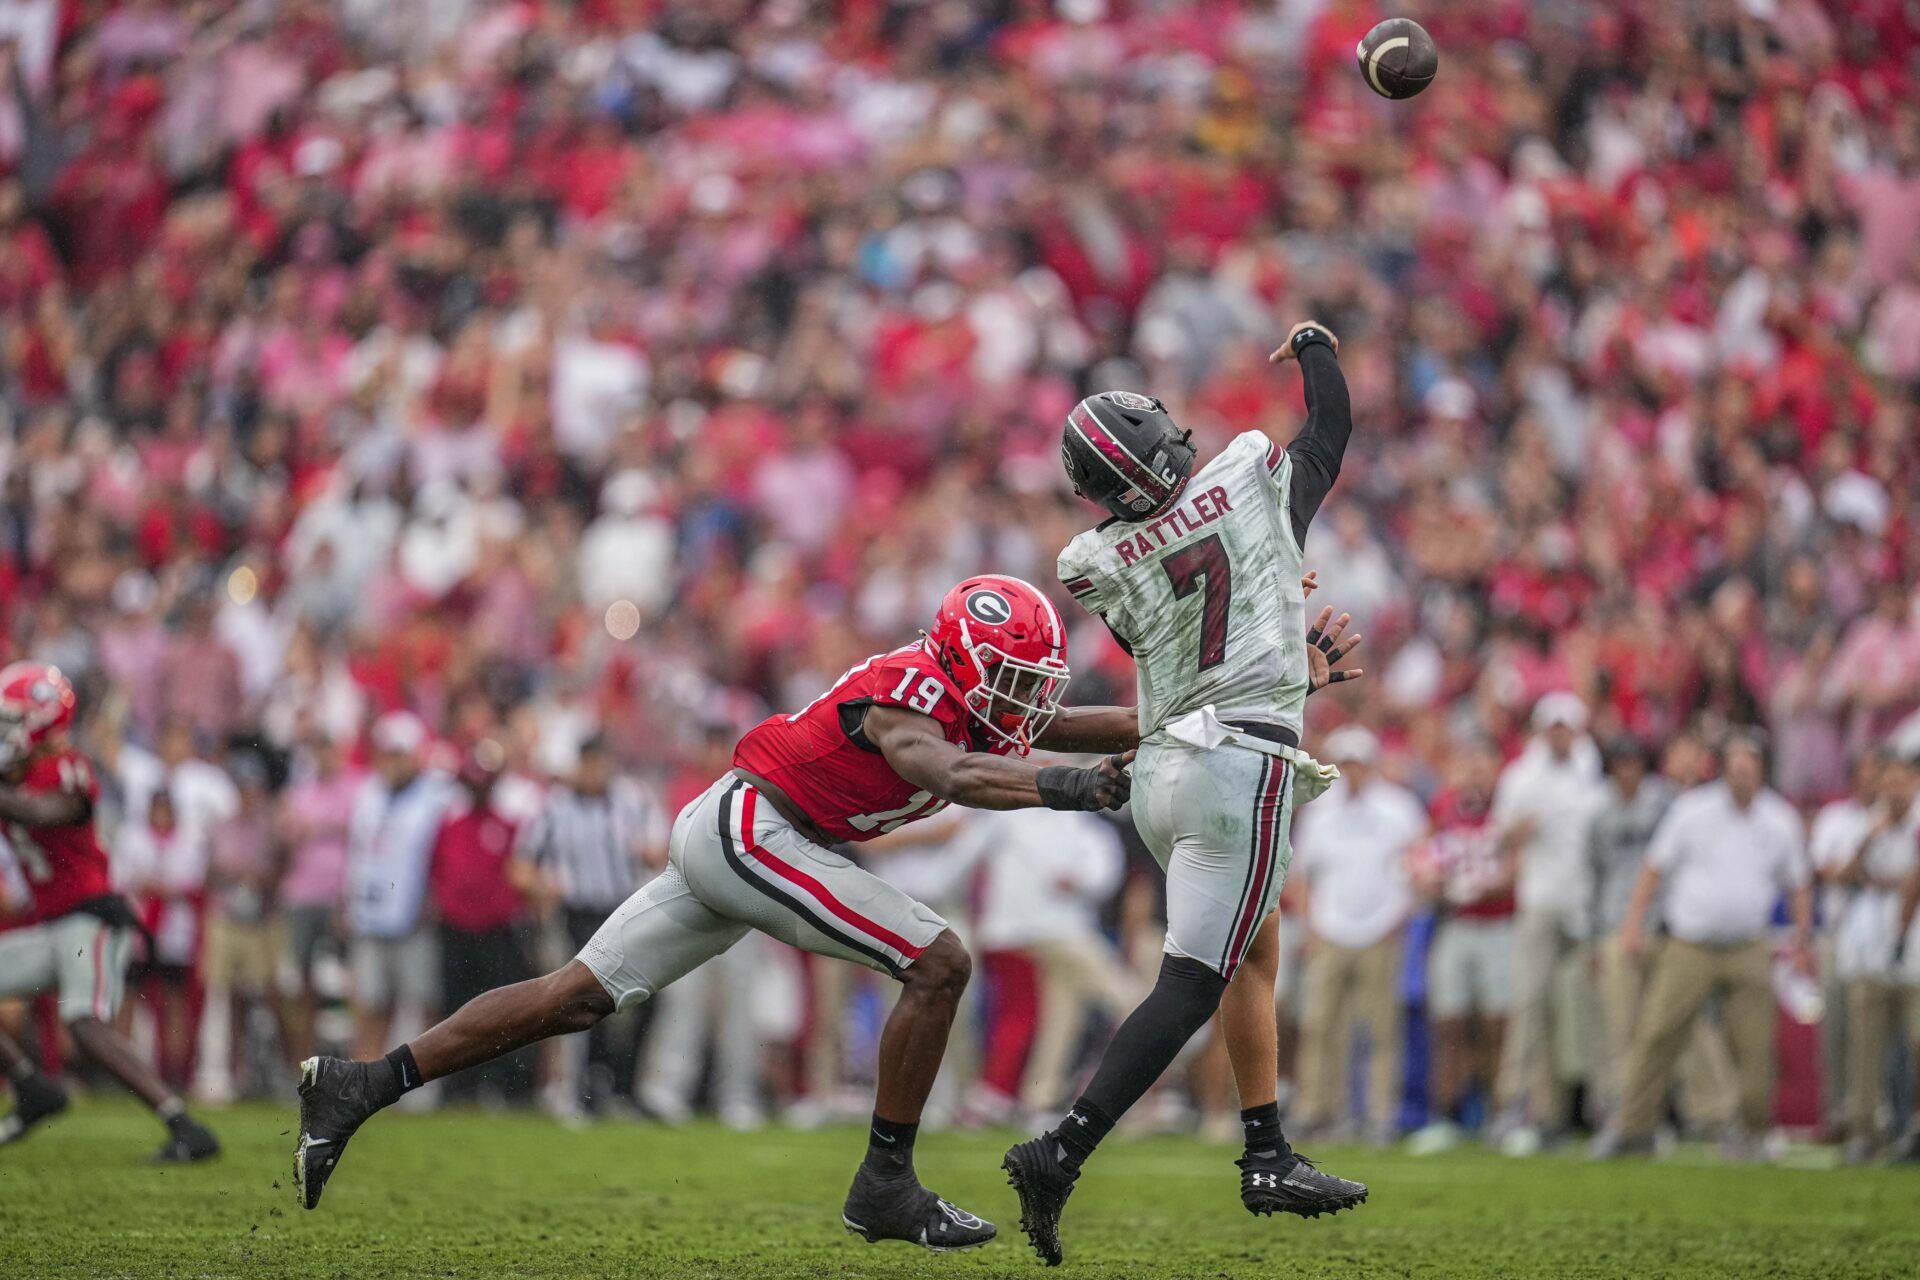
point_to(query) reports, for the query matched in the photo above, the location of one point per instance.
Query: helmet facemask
(35, 700)
(1012, 698)
(16, 736)
(1016, 699)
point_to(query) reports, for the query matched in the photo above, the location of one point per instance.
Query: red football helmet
(1001, 641)
(35, 700)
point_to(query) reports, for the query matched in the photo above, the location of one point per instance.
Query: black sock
(1262, 1125)
(401, 1077)
(1183, 998)
(890, 1145)
(1080, 1131)
(177, 1121)
(24, 1071)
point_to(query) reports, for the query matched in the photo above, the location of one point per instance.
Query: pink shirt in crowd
(317, 811)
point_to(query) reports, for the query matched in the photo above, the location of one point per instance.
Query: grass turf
(464, 1195)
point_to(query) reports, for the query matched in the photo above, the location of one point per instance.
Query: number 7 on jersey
(1203, 566)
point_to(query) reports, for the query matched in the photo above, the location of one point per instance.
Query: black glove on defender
(1106, 785)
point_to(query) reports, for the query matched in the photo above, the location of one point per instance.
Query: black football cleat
(34, 1099)
(333, 1103)
(1043, 1184)
(188, 1142)
(1289, 1183)
(901, 1209)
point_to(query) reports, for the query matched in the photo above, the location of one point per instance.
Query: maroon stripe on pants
(1266, 846)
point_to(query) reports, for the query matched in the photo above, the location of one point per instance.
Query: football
(1398, 58)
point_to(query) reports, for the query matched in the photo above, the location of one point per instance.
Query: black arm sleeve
(1322, 441)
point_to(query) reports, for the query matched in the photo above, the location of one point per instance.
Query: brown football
(1398, 58)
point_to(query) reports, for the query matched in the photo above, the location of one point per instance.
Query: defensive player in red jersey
(949, 719)
(77, 932)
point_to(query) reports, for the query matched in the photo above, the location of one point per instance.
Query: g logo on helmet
(990, 607)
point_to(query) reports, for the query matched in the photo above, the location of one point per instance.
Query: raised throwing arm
(1321, 443)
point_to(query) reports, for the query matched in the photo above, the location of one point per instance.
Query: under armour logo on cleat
(1263, 1180)
(1077, 1118)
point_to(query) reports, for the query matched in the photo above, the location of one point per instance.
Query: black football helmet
(1123, 451)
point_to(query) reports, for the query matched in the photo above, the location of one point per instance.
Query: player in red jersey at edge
(76, 934)
(946, 720)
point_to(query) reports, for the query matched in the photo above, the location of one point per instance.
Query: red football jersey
(64, 866)
(1464, 851)
(820, 756)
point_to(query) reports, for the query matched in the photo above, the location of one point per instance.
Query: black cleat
(901, 1209)
(34, 1099)
(1036, 1175)
(188, 1142)
(1289, 1183)
(333, 1103)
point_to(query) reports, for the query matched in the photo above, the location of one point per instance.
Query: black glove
(1106, 785)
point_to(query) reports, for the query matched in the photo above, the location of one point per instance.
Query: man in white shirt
(1867, 950)
(1617, 839)
(203, 795)
(1839, 832)
(396, 816)
(1906, 963)
(598, 382)
(1350, 854)
(1044, 878)
(1542, 808)
(1724, 854)
(627, 552)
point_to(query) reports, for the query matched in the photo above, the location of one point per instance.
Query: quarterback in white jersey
(1207, 597)
(1199, 576)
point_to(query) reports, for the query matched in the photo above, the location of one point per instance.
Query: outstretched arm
(1080, 729)
(920, 753)
(1322, 441)
(43, 808)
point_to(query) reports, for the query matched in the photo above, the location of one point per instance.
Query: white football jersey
(1208, 595)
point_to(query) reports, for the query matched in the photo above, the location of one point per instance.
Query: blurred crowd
(430, 430)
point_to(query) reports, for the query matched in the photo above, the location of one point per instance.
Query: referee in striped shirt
(597, 838)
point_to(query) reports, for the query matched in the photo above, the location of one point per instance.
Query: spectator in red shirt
(1463, 871)
(482, 943)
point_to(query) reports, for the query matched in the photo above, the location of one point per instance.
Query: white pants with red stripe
(81, 957)
(1216, 821)
(735, 864)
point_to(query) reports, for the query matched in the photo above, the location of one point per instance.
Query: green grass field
(462, 1195)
